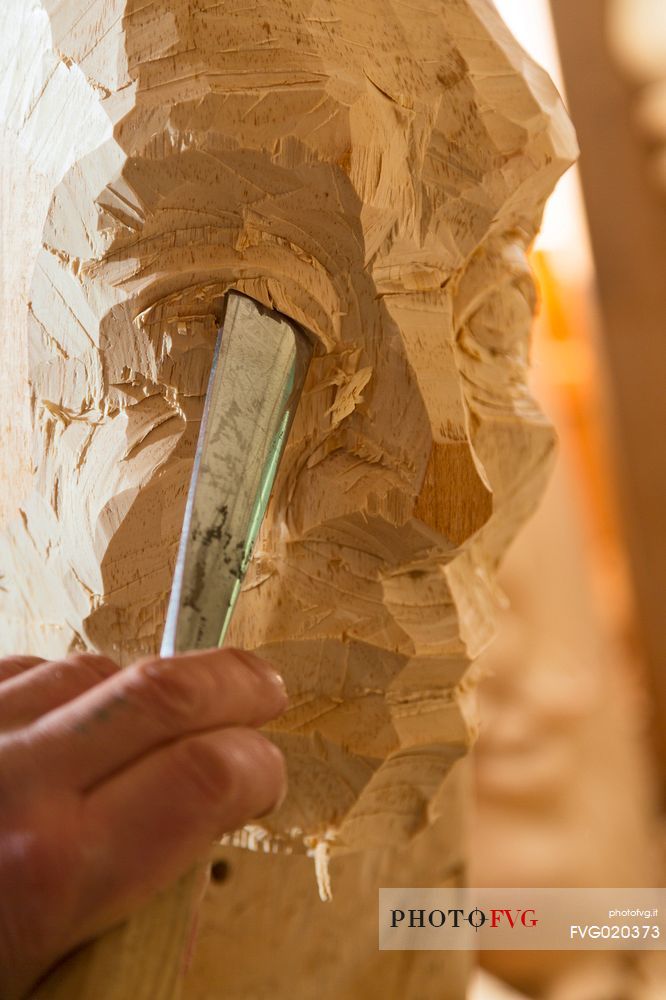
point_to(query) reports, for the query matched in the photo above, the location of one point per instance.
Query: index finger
(12, 666)
(148, 705)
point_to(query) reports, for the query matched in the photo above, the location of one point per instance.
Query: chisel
(259, 367)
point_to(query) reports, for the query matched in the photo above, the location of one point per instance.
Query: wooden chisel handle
(143, 959)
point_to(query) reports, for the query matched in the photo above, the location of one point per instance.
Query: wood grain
(377, 177)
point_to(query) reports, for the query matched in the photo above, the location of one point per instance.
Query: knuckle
(12, 666)
(53, 859)
(21, 662)
(167, 695)
(205, 769)
(50, 857)
(98, 667)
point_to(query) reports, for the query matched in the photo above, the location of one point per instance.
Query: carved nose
(456, 498)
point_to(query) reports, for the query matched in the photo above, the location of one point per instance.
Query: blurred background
(570, 765)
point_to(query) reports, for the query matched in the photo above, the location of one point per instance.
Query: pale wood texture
(375, 174)
(49, 117)
(627, 219)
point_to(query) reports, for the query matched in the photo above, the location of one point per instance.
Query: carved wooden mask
(375, 171)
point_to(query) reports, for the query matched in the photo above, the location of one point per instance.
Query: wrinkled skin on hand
(99, 765)
(377, 175)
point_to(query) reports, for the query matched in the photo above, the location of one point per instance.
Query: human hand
(113, 783)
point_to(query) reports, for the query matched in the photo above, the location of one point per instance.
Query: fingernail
(264, 669)
(274, 750)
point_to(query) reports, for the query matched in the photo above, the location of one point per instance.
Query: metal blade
(259, 367)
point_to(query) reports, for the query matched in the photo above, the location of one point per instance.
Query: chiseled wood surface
(377, 177)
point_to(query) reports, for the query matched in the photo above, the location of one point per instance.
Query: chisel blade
(259, 367)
